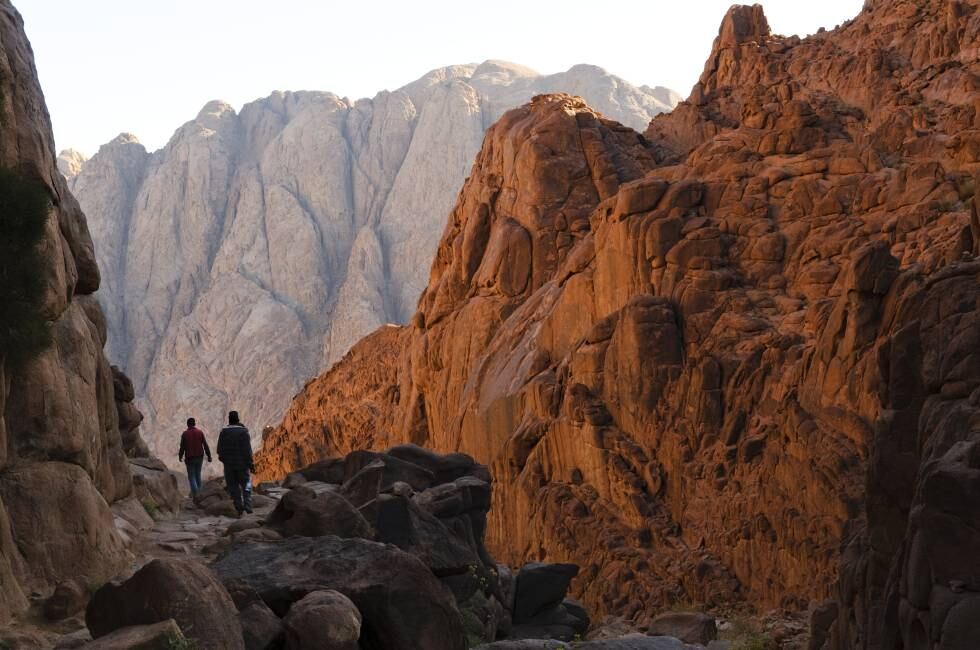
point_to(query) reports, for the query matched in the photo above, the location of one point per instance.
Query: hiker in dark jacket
(193, 449)
(235, 451)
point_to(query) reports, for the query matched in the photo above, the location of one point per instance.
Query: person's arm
(183, 445)
(221, 446)
(248, 450)
(207, 450)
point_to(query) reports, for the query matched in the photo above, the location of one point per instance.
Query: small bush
(151, 507)
(180, 642)
(747, 634)
(24, 207)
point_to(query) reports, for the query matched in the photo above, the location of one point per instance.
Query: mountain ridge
(254, 248)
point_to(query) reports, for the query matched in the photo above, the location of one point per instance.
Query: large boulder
(395, 469)
(565, 621)
(323, 620)
(402, 522)
(165, 635)
(312, 512)
(57, 504)
(402, 604)
(182, 589)
(540, 587)
(445, 468)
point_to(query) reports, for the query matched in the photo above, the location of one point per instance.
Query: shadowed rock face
(256, 247)
(62, 457)
(733, 360)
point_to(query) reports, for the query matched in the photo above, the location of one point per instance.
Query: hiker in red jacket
(193, 449)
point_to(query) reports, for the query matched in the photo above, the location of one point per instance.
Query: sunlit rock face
(733, 360)
(256, 247)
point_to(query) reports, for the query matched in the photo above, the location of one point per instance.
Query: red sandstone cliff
(735, 359)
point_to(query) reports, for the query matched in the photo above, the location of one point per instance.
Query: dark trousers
(237, 482)
(194, 473)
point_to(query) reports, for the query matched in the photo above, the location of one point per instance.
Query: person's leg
(192, 479)
(233, 483)
(247, 492)
(194, 474)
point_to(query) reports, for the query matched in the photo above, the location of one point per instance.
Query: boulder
(261, 628)
(402, 604)
(540, 586)
(133, 512)
(182, 589)
(155, 486)
(363, 488)
(215, 500)
(312, 513)
(58, 504)
(395, 469)
(323, 620)
(445, 468)
(690, 627)
(329, 470)
(165, 635)
(403, 523)
(565, 621)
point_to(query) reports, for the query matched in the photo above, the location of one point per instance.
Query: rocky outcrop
(388, 548)
(70, 162)
(62, 455)
(255, 248)
(732, 360)
(182, 590)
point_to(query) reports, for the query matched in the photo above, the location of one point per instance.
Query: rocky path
(154, 529)
(179, 528)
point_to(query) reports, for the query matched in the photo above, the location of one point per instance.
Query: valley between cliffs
(732, 359)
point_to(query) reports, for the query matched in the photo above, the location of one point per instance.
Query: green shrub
(180, 642)
(746, 633)
(24, 207)
(151, 507)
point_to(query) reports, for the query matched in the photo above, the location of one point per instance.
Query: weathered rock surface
(256, 247)
(70, 162)
(183, 590)
(62, 454)
(261, 628)
(159, 636)
(323, 620)
(402, 604)
(700, 362)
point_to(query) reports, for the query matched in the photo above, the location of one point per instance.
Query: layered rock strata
(734, 359)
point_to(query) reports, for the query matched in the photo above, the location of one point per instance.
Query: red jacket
(193, 444)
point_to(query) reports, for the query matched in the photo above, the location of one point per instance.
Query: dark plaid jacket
(235, 447)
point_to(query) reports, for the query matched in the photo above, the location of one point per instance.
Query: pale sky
(148, 66)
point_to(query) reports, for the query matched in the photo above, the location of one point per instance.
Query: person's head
(191, 422)
(233, 417)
